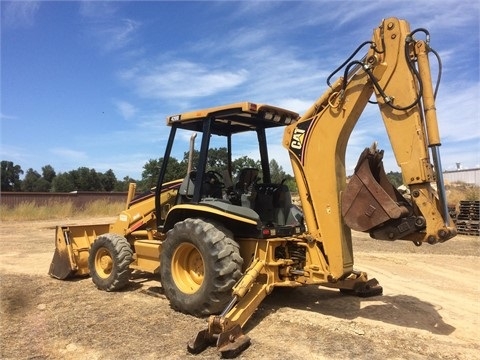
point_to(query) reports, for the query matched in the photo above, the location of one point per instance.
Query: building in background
(468, 176)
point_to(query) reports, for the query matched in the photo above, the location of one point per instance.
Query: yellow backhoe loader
(221, 246)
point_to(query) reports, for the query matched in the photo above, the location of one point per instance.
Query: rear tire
(199, 264)
(109, 260)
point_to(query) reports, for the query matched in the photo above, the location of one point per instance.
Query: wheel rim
(188, 270)
(103, 263)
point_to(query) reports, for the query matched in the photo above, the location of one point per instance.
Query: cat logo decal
(297, 139)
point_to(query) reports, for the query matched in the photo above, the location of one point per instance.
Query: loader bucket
(369, 199)
(63, 264)
(72, 244)
(60, 267)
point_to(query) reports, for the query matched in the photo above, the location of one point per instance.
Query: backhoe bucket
(369, 199)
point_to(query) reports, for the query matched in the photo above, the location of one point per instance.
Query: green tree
(195, 158)
(395, 178)
(108, 180)
(33, 181)
(150, 172)
(175, 170)
(244, 162)
(123, 184)
(82, 179)
(291, 183)
(278, 175)
(276, 172)
(63, 182)
(31, 177)
(86, 179)
(42, 185)
(217, 159)
(48, 173)
(10, 176)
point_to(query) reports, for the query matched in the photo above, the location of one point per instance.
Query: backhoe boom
(317, 145)
(396, 71)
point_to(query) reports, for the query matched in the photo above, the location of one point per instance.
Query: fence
(79, 198)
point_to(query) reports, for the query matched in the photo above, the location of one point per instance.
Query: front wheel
(109, 260)
(200, 262)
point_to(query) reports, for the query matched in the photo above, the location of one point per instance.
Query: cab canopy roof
(234, 118)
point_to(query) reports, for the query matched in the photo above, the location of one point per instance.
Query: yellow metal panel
(147, 255)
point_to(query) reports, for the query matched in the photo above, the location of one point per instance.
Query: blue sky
(91, 83)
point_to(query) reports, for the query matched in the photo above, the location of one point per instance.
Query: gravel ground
(429, 310)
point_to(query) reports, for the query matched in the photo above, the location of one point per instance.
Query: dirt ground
(430, 309)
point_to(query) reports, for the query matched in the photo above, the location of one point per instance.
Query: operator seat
(243, 190)
(246, 178)
(273, 204)
(211, 188)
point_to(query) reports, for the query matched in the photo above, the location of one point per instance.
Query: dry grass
(458, 191)
(59, 210)
(455, 192)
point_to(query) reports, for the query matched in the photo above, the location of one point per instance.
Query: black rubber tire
(199, 264)
(109, 260)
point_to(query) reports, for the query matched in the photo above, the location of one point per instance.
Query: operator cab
(246, 202)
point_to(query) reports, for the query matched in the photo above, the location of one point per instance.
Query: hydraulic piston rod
(431, 122)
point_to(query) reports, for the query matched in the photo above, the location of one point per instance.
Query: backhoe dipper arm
(317, 145)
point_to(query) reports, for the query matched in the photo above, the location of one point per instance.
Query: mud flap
(370, 200)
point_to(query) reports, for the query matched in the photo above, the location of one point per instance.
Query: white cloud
(458, 112)
(282, 73)
(69, 154)
(19, 14)
(182, 80)
(295, 104)
(17, 154)
(109, 31)
(98, 9)
(466, 153)
(118, 35)
(7, 117)
(126, 109)
(131, 164)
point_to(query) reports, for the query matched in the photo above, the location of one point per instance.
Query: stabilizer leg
(225, 330)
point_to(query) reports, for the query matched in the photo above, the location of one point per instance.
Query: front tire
(199, 264)
(109, 260)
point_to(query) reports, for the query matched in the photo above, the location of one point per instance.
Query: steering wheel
(214, 178)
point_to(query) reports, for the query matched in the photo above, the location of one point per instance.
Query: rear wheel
(108, 262)
(200, 262)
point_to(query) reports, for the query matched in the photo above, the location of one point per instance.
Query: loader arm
(73, 243)
(317, 146)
